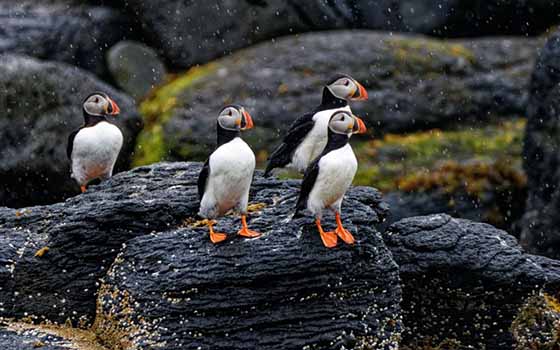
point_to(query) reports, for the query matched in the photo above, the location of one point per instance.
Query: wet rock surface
(193, 32)
(413, 83)
(22, 336)
(34, 168)
(135, 67)
(281, 291)
(464, 280)
(78, 35)
(146, 209)
(541, 233)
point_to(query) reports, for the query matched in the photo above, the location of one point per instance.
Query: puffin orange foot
(329, 239)
(245, 232)
(345, 235)
(83, 188)
(216, 237)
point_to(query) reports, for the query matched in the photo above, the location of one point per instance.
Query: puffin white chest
(336, 172)
(231, 173)
(95, 151)
(315, 141)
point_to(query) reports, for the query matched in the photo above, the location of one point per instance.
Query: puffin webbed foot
(329, 238)
(245, 232)
(216, 237)
(343, 233)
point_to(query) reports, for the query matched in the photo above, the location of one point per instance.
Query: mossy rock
(414, 83)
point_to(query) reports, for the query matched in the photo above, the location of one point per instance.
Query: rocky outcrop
(135, 67)
(282, 291)
(464, 280)
(413, 83)
(41, 104)
(23, 336)
(279, 291)
(78, 35)
(541, 223)
(195, 32)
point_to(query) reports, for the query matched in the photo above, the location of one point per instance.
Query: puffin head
(235, 118)
(100, 104)
(346, 123)
(345, 87)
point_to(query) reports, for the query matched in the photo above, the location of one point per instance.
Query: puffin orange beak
(360, 94)
(248, 121)
(115, 110)
(359, 126)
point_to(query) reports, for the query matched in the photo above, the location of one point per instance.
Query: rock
(78, 35)
(176, 291)
(536, 325)
(22, 336)
(41, 104)
(149, 212)
(464, 280)
(540, 233)
(460, 18)
(494, 193)
(135, 67)
(188, 33)
(413, 83)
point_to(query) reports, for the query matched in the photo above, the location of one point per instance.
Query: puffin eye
(96, 100)
(346, 83)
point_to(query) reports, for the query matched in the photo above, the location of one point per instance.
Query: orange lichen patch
(255, 207)
(475, 178)
(552, 302)
(41, 252)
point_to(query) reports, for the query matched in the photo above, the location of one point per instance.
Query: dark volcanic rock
(135, 67)
(413, 83)
(145, 209)
(78, 35)
(41, 104)
(189, 32)
(464, 280)
(21, 336)
(176, 290)
(541, 231)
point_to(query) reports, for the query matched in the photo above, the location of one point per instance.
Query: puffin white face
(100, 104)
(347, 88)
(346, 123)
(235, 118)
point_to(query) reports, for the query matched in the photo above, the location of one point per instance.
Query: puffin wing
(203, 178)
(70, 144)
(282, 155)
(307, 184)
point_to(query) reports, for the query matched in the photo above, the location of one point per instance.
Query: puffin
(307, 136)
(329, 176)
(226, 176)
(94, 147)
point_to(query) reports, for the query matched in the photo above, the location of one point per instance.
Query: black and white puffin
(329, 176)
(94, 148)
(307, 136)
(225, 178)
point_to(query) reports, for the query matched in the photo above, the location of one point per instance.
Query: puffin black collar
(335, 141)
(91, 120)
(225, 136)
(330, 101)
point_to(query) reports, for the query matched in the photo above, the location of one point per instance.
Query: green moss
(388, 162)
(157, 109)
(419, 53)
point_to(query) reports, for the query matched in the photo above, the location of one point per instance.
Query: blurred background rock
(448, 84)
